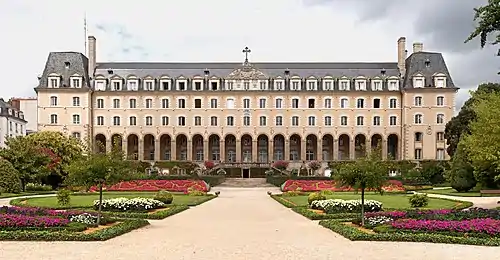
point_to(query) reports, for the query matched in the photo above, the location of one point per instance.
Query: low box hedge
(308, 213)
(213, 180)
(125, 226)
(355, 234)
(284, 201)
(29, 193)
(160, 214)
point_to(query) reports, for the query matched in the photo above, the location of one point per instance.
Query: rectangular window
(328, 103)
(149, 103)
(53, 119)
(279, 85)
(440, 154)
(213, 121)
(246, 103)
(132, 85)
(230, 121)
(132, 120)
(279, 103)
(116, 103)
(75, 82)
(295, 103)
(76, 101)
(344, 103)
(393, 103)
(76, 119)
(132, 103)
(181, 121)
(181, 85)
(328, 120)
(230, 103)
(419, 83)
(376, 121)
(393, 120)
(213, 103)
(262, 121)
(100, 120)
(418, 154)
(376, 103)
(164, 103)
(246, 121)
(440, 83)
(328, 85)
(295, 85)
(295, 120)
(149, 85)
(262, 103)
(440, 136)
(279, 121)
(197, 120)
(165, 85)
(182, 103)
(197, 86)
(164, 120)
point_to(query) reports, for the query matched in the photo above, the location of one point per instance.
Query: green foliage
(38, 187)
(9, 178)
(433, 171)
(461, 173)
(315, 196)
(194, 192)
(164, 196)
(488, 18)
(326, 192)
(63, 197)
(160, 214)
(313, 215)
(418, 200)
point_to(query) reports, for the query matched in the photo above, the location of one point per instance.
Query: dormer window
(165, 84)
(263, 85)
(327, 84)
(214, 85)
(132, 85)
(54, 82)
(181, 85)
(149, 85)
(344, 84)
(393, 85)
(311, 85)
(418, 82)
(116, 85)
(76, 82)
(100, 85)
(360, 84)
(440, 82)
(246, 85)
(377, 85)
(278, 84)
(197, 85)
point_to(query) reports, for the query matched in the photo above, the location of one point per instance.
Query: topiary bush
(461, 173)
(164, 196)
(9, 178)
(63, 197)
(418, 200)
(315, 196)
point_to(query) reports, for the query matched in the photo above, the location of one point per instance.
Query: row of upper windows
(419, 137)
(440, 154)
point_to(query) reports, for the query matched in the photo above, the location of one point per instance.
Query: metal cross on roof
(246, 51)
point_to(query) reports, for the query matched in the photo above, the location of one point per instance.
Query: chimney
(402, 55)
(92, 55)
(418, 47)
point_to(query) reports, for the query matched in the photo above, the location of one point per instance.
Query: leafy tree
(368, 172)
(99, 169)
(9, 178)
(461, 173)
(488, 18)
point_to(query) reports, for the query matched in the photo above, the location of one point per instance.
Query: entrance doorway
(245, 173)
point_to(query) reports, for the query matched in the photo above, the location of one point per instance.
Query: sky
(218, 30)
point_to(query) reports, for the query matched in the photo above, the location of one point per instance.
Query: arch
(165, 147)
(327, 149)
(311, 147)
(279, 147)
(181, 147)
(117, 141)
(214, 147)
(132, 147)
(246, 148)
(149, 147)
(392, 146)
(295, 147)
(344, 147)
(359, 145)
(100, 143)
(198, 148)
(376, 143)
(230, 148)
(263, 148)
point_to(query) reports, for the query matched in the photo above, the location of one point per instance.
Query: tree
(9, 178)
(368, 172)
(488, 18)
(461, 173)
(99, 169)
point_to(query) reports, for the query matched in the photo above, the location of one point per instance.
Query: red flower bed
(156, 185)
(317, 185)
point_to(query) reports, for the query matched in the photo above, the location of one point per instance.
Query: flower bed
(481, 225)
(157, 185)
(332, 206)
(134, 204)
(318, 185)
(22, 221)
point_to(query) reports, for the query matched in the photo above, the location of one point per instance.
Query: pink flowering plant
(486, 226)
(22, 221)
(281, 165)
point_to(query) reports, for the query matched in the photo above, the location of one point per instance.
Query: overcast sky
(218, 30)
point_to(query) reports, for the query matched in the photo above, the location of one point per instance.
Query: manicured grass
(453, 192)
(390, 201)
(86, 200)
(28, 193)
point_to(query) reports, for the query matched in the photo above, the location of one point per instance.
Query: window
(377, 85)
(164, 120)
(295, 103)
(213, 121)
(213, 103)
(393, 120)
(246, 121)
(246, 85)
(344, 85)
(149, 103)
(440, 136)
(116, 120)
(148, 85)
(132, 85)
(262, 121)
(311, 85)
(376, 120)
(181, 85)
(53, 101)
(311, 103)
(311, 121)
(295, 121)
(279, 85)
(76, 135)
(344, 103)
(117, 85)
(164, 103)
(279, 103)
(116, 103)
(343, 120)
(181, 103)
(440, 83)
(54, 83)
(440, 119)
(197, 120)
(327, 85)
(230, 121)
(440, 101)
(181, 121)
(419, 137)
(263, 85)
(100, 120)
(418, 154)
(360, 103)
(360, 84)
(149, 120)
(100, 103)
(262, 103)
(214, 85)
(295, 85)
(328, 120)
(360, 120)
(376, 103)
(419, 83)
(440, 154)
(76, 101)
(418, 119)
(165, 85)
(76, 119)
(229, 103)
(418, 101)
(132, 120)
(53, 119)
(197, 86)
(393, 103)
(246, 103)
(132, 103)
(229, 85)
(328, 103)
(279, 120)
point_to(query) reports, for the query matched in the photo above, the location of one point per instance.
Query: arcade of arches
(246, 149)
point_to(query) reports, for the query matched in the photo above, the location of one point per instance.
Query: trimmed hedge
(280, 179)
(125, 226)
(354, 234)
(213, 180)
(306, 212)
(161, 214)
(284, 201)
(3, 196)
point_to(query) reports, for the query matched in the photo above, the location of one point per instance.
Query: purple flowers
(487, 225)
(406, 214)
(13, 220)
(33, 211)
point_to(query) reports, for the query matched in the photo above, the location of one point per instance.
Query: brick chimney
(418, 47)
(402, 55)
(92, 55)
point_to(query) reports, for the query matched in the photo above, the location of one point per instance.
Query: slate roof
(416, 64)
(56, 63)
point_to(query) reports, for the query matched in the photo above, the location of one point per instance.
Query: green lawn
(396, 201)
(28, 193)
(87, 200)
(453, 192)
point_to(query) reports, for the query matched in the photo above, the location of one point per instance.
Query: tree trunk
(100, 205)
(362, 205)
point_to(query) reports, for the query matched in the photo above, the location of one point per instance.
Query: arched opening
(230, 147)
(359, 145)
(263, 148)
(132, 147)
(165, 147)
(344, 153)
(197, 151)
(149, 147)
(246, 148)
(100, 143)
(117, 141)
(295, 147)
(214, 147)
(392, 146)
(327, 148)
(311, 147)
(181, 147)
(279, 147)
(376, 144)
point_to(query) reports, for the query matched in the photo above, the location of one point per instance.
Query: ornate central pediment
(246, 72)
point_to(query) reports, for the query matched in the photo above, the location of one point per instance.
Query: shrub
(419, 200)
(9, 178)
(314, 165)
(124, 204)
(292, 193)
(63, 197)
(85, 218)
(164, 196)
(195, 192)
(281, 165)
(209, 165)
(38, 187)
(333, 206)
(461, 173)
(327, 192)
(315, 196)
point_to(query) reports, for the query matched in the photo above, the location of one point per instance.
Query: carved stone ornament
(246, 72)
(429, 130)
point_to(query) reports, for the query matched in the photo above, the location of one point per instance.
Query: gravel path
(241, 224)
(480, 202)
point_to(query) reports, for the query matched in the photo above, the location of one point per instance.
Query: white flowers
(339, 205)
(378, 220)
(85, 218)
(125, 204)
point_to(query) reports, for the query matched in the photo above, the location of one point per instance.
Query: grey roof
(4, 104)
(4, 111)
(416, 64)
(56, 63)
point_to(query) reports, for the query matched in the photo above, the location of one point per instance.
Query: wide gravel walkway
(241, 224)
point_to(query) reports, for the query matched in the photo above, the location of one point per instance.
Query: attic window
(427, 63)
(66, 65)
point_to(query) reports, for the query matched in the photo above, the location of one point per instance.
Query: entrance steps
(245, 183)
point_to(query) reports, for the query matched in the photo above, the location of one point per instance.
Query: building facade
(29, 107)
(252, 112)
(12, 122)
